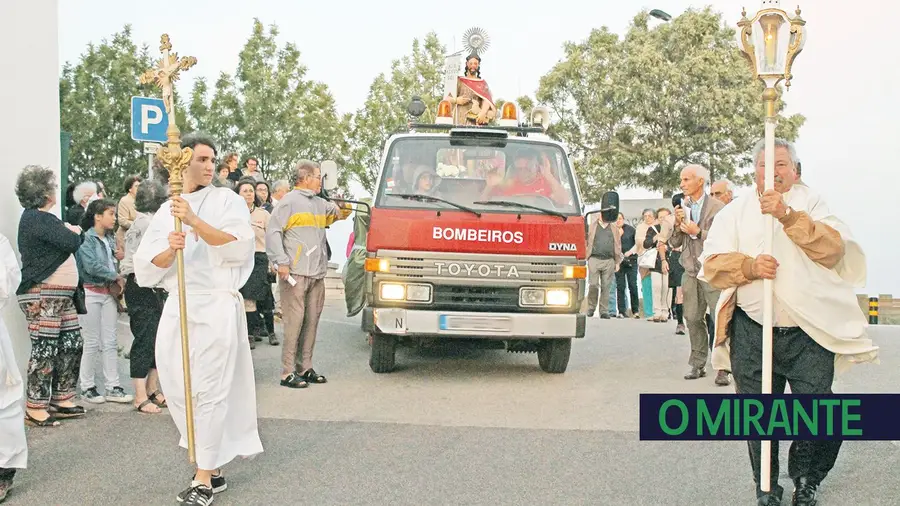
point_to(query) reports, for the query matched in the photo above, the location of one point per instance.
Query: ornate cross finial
(164, 74)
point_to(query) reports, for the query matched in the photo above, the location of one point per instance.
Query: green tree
(419, 73)
(634, 110)
(269, 110)
(95, 107)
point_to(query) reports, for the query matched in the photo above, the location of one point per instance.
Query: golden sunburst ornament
(476, 40)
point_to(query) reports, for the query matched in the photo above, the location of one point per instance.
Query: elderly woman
(258, 288)
(102, 284)
(145, 305)
(648, 217)
(47, 297)
(81, 195)
(656, 237)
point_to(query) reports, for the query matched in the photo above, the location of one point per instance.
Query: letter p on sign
(149, 119)
(150, 115)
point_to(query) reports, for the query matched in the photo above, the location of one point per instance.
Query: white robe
(13, 448)
(821, 301)
(222, 380)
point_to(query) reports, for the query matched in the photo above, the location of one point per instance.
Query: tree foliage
(269, 110)
(95, 108)
(419, 73)
(634, 110)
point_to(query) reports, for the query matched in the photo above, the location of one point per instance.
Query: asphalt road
(453, 426)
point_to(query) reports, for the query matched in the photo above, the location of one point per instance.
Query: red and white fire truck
(475, 233)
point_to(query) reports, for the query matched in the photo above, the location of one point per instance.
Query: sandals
(312, 377)
(50, 421)
(66, 411)
(152, 398)
(294, 381)
(140, 408)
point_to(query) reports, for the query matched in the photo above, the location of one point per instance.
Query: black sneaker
(93, 396)
(117, 394)
(218, 483)
(197, 495)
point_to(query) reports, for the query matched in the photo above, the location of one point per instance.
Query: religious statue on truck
(473, 101)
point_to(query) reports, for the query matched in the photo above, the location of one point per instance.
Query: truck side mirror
(329, 175)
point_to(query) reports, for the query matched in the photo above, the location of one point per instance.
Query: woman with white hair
(82, 195)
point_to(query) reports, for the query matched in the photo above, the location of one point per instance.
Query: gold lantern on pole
(175, 159)
(770, 42)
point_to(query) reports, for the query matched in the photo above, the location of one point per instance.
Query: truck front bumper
(415, 322)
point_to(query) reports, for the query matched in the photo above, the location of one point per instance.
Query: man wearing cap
(604, 253)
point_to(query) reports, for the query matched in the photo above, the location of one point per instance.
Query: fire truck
(474, 233)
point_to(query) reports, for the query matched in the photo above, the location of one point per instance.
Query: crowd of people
(651, 269)
(700, 263)
(247, 245)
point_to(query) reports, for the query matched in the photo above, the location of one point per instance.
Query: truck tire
(553, 355)
(383, 351)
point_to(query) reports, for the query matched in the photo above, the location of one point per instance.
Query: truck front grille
(476, 298)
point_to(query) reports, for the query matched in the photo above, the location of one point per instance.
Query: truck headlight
(558, 297)
(408, 292)
(532, 296)
(418, 293)
(393, 291)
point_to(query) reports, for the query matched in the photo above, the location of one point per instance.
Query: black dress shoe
(804, 493)
(772, 498)
(768, 500)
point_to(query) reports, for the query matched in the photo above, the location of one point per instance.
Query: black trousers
(627, 273)
(800, 361)
(145, 307)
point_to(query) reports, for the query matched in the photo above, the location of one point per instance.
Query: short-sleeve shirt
(537, 186)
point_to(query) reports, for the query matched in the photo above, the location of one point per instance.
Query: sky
(848, 146)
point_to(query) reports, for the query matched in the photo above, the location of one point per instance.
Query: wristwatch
(786, 213)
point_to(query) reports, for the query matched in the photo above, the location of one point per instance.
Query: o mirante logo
(694, 417)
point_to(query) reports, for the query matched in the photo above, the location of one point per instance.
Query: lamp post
(770, 42)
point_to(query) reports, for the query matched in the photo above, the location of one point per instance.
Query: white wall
(29, 92)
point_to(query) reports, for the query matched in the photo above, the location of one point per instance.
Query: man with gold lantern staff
(205, 263)
(473, 101)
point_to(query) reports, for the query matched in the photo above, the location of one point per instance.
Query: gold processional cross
(175, 160)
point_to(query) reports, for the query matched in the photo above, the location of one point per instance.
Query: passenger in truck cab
(529, 177)
(425, 180)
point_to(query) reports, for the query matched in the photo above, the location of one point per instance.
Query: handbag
(78, 298)
(648, 257)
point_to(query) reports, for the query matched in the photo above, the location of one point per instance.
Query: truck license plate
(392, 321)
(476, 323)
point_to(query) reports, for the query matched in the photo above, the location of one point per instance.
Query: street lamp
(770, 42)
(658, 14)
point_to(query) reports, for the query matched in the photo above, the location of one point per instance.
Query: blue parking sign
(149, 119)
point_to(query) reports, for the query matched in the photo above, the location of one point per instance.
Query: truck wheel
(384, 349)
(553, 355)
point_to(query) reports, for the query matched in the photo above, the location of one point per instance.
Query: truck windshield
(534, 173)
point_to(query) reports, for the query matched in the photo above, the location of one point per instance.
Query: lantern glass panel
(771, 38)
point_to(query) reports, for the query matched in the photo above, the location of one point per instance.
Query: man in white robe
(218, 245)
(13, 447)
(818, 326)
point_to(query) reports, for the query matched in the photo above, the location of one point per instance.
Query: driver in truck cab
(529, 177)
